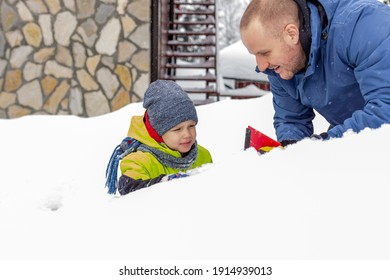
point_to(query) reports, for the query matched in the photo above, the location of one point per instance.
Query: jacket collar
(304, 22)
(316, 37)
(152, 132)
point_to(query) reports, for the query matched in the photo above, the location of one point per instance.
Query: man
(329, 56)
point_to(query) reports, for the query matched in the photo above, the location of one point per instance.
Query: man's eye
(263, 53)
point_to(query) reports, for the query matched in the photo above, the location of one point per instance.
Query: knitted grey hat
(168, 105)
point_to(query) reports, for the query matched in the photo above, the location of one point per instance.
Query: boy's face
(181, 137)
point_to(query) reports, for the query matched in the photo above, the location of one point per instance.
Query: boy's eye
(183, 127)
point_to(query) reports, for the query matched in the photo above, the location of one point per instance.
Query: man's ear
(291, 34)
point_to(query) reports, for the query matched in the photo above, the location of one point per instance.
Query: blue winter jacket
(347, 79)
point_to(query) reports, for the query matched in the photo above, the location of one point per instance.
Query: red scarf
(153, 133)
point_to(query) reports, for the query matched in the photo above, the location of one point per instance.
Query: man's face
(283, 53)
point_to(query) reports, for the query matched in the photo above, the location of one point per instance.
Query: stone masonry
(72, 57)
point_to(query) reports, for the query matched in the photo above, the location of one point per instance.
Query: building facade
(73, 57)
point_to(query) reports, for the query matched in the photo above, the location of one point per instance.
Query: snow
(310, 201)
(248, 91)
(236, 62)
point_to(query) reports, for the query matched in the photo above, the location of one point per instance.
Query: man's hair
(274, 15)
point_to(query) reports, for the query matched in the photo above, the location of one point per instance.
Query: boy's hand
(173, 176)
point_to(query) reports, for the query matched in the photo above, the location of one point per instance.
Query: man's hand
(322, 136)
(285, 143)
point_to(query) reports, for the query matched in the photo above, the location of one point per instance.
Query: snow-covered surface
(236, 62)
(312, 200)
(248, 91)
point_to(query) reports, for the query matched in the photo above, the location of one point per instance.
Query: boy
(167, 132)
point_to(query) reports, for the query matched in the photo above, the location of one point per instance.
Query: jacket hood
(329, 7)
(322, 14)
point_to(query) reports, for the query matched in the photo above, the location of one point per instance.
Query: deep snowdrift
(312, 200)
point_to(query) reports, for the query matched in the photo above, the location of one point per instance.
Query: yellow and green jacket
(142, 169)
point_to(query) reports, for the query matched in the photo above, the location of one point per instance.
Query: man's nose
(262, 64)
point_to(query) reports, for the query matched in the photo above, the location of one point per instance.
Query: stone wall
(72, 57)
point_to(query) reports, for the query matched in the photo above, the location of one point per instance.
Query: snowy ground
(311, 201)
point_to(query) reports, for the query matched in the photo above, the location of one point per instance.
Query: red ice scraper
(259, 141)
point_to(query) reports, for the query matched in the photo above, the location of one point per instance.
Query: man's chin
(286, 76)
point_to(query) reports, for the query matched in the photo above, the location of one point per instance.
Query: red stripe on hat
(151, 130)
